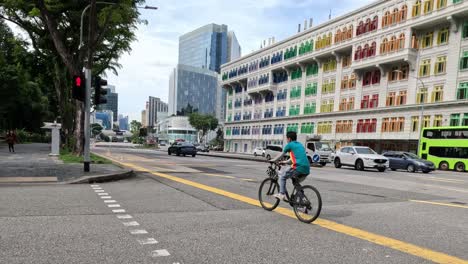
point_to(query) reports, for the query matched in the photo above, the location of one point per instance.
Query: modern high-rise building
(112, 102)
(143, 118)
(106, 118)
(192, 83)
(192, 89)
(123, 122)
(154, 107)
(371, 77)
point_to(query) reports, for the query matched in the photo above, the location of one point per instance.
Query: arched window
(372, 49)
(393, 43)
(344, 82)
(352, 81)
(329, 39)
(365, 51)
(318, 43)
(401, 41)
(360, 29)
(357, 54)
(383, 46)
(395, 16)
(403, 13)
(338, 36)
(375, 23)
(376, 77)
(350, 32)
(387, 19)
(368, 25)
(417, 8)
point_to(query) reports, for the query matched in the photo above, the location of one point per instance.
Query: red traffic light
(78, 81)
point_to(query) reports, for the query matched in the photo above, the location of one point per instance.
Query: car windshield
(322, 146)
(187, 145)
(411, 155)
(364, 151)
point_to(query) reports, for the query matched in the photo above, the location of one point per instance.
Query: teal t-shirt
(298, 157)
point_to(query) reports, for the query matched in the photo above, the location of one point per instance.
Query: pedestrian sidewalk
(32, 163)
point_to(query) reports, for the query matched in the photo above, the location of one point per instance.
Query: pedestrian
(11, 140)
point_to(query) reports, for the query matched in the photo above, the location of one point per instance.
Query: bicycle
(306, 210)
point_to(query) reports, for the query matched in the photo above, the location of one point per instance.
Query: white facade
(176, 127)
(397, 66)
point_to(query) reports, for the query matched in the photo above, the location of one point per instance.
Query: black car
(182, 148)
(408, 161)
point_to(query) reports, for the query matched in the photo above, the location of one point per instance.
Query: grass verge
(68, 157)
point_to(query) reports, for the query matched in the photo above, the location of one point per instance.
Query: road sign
(316, 158)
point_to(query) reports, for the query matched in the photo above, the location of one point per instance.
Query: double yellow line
(431, 255)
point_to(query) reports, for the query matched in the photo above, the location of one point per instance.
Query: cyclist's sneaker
(279, 196)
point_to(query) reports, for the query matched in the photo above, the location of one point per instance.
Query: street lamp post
(421, 113)
(87, 102)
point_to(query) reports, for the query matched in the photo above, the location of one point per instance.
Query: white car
(360, 158)
(259, 151)
(272, 151)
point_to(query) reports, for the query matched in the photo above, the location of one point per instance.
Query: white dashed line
(138, 232)
(106, 197)
(94, 185)
(123, 216)
(97, 188)
(113, 205)
(99, 191)
(102, 194)
(109, 201)
(147, 241)
(160, 253)
(132, 223)
(118, 211)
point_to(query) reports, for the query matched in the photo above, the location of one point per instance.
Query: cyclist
(300, 166)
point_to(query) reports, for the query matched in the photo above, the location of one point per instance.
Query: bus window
(424, 146)
(449, 152)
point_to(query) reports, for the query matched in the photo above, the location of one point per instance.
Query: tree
(53, 27)
(135, 126)
(203, 123)
(96, 129)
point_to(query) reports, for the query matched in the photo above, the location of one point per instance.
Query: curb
(102, 178)
(232, 157)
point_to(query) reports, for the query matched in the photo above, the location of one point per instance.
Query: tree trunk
(79, 131)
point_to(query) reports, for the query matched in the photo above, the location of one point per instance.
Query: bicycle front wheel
(307, 204)
(265, 194)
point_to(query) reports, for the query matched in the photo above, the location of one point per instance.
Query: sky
(147, 67)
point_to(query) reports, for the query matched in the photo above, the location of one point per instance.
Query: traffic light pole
(87, 129)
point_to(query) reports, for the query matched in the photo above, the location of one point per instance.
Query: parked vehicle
(182, 148)
(259, 151)
(408, 161)
(271, 151)
(202, 148)
(313, 145)
(360, 158)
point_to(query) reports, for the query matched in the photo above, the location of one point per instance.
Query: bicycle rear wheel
(265, 194)
(307, 204)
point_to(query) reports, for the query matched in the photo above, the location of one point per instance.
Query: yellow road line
(247, 179)
(219, 175)
(434, 256)
(437, 203)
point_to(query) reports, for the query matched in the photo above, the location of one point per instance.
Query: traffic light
(79, 87)
(99, 92)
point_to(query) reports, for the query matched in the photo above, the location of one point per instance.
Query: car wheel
(460, 167)
(310, 160)
(268, 157)
(426, 171)
(411, 168)
(381, 169)
(255, 154)
(183, 154)
(323, 164)
(263, 154)
(193, 155)
(359, 165)
(169, 152)
(178, 153)
(337, 163)
(444, 165)
(393, 169)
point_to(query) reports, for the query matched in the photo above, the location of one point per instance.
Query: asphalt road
(202, 210)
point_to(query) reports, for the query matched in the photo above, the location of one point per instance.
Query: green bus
(446, 147)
